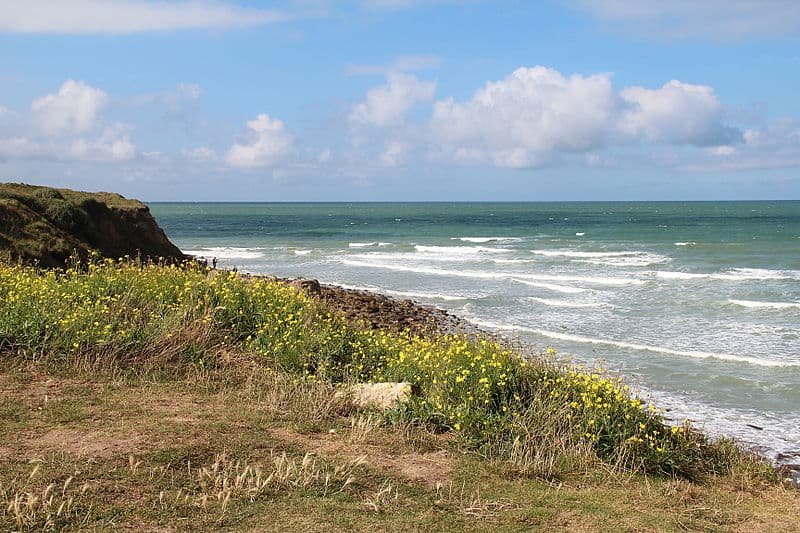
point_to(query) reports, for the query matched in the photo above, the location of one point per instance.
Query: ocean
(696, 304)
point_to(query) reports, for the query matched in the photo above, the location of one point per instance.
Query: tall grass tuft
(226, 481)
(27, 506)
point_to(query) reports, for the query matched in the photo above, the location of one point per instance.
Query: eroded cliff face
(46, 226)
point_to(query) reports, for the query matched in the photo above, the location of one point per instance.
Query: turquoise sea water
(698, 304)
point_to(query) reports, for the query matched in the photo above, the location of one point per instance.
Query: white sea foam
(566, 289)
(766, 305)
(688, 243)
(302, 252)
(680, 275)
(425, 295)
(563, 303)
(480, 240)
(458, 251)
(762, 273)
(634, 346)
(519, 276)
(578, 254)
(642, 260)
(362, 244)
(225, 252)
(512, 261)
(580, 234)
(403, 294)
(735, 274)
(437, 253)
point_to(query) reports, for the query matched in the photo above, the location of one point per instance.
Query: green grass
(45, 195)
(532, 412)
(46, 226)
(178, 393)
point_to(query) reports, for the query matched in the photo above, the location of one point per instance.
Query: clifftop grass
(193, 399)
(46, 226)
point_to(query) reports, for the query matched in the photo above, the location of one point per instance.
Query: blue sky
(403, 99)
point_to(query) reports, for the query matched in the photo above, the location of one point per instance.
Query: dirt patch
(32, 388)
(91, 443)
(430, 469)
(179, 409)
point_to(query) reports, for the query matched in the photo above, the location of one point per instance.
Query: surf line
(634, 346)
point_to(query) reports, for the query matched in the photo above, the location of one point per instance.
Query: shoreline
(381, 311)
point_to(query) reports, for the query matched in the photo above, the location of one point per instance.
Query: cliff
(46, 225)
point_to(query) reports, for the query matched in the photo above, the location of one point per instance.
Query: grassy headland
(48, 226)
(174, 397)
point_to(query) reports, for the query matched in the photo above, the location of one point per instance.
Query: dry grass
(29, 506)
(371, 474)
(471, 503)
(361, 425)
(381, 499)
(227, 480)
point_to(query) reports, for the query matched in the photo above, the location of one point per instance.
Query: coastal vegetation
(47, 226)
(209, 396)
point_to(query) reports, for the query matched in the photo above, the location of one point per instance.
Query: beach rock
(310, 286)
(788, 456)
(377, 311)
(792, 476)
(377, 395)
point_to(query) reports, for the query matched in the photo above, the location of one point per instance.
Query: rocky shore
(382, 312)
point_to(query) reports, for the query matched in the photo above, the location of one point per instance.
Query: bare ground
(133, 442)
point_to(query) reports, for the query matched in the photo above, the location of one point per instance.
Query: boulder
(310, 286)
(377, 395)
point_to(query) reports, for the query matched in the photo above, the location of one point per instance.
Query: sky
(403, 100)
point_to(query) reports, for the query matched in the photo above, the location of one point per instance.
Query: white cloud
(387, 4)
(772, 147)
(400, 64)
(709, 19)
(73, 109)
(172, 98)
(405, 4)
(536, 114)
(783, 134)
(393, 153)
(67, 126)
(721, 150)
(268, 144)
(200, 154)
(677, 113)
(20, 148)
(388, 104)
(524, 119)
(126, 16)
(325, 156)
(108, 147)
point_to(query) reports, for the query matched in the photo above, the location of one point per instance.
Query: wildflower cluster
(463, 382)
(604, 412)
(474, 386)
